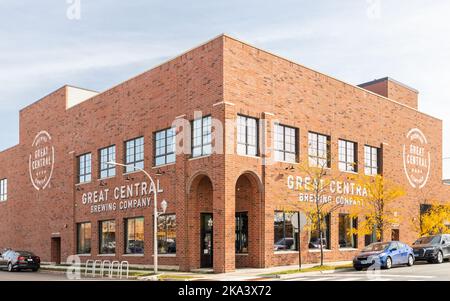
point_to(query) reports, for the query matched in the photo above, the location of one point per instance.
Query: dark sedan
(433, 249)
(19, 260)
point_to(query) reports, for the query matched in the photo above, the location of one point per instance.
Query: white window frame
(3, 190)
(345, 163)
(247, 136)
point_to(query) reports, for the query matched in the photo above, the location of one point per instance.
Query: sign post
(299, 224)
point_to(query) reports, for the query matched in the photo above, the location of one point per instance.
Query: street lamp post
(155, 211)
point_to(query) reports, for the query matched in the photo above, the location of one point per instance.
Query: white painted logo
(416, 158)
(41, 160)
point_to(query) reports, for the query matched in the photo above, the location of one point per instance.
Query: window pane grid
(165, 147)
(318, 150)
(202, 137)
(347, 156)
(107, 154)
(247, 135)
(84, 168)
(371, 166)
(134, 156)
(285, 143)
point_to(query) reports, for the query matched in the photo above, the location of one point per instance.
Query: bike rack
(86, 266)
(111, 269)
(95, 266)
(102, 267)
(122, 264)
(121, 267)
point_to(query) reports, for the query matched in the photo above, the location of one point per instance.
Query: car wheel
(410, 260)
(358, 269)
(430, 261)
(10, 267)
(439, 258)
(388, 264)
(35, 269)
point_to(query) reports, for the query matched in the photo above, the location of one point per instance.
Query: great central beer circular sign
(416, 158)
(41, 160)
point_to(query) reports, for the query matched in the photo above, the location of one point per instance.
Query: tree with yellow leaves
(435, 220)
(378, 206)
(317, 184)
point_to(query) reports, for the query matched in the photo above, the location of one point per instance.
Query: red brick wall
(257, 82)
(223, 78)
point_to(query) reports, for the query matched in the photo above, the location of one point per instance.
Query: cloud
(40, 49)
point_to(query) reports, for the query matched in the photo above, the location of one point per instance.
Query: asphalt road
(41, 276)
(419, 272)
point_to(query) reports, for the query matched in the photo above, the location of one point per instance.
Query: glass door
(206, 240)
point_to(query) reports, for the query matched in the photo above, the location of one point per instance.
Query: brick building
(224, 129)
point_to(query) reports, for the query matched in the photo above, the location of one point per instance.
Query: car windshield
(429, 240)
(376, 247)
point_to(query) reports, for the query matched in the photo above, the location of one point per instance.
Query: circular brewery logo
(41, 160)
(416, 158)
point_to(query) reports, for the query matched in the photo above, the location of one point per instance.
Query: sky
(96, 44)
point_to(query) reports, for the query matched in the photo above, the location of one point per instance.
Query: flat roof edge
(376, 81)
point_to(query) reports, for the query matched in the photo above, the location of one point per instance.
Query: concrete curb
(287, 276)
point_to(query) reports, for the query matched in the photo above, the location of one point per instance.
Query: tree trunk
(321, 248)
(319, 225)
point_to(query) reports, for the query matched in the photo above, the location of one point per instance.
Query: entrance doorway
(56, 250)
(395, 235)
(206, 240)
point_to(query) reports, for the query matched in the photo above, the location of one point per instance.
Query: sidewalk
(245, 274)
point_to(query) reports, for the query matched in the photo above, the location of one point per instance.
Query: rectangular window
(107, 236)
(164, 151)
(85, 168)
(348, 156)
(247, 136)
(241, 233)
(3, 190)
(201, 137)
(134, 235)
(372, 237)
(134, 154)
(84, 238)
(347, 231)
(167, 234)
(319, 150)
(285, 143)
(107, 154)
(314, 240)
(285, 235)
(371, 160)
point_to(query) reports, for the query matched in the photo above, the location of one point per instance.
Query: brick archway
(200, 200)
(249, 209)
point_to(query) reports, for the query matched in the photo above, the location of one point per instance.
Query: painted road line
(319, 279)
(349, 279)
(405, 276)
(296, 279)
